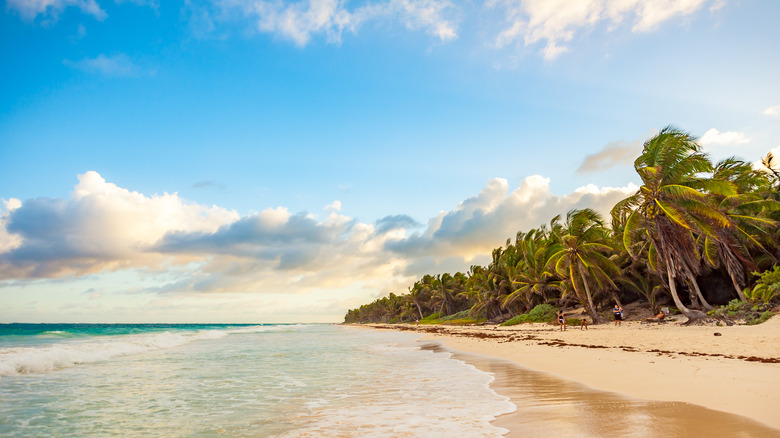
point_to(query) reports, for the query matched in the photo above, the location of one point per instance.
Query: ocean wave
(27, 360)
(267, 328)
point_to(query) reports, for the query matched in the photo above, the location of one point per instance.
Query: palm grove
(690, 223)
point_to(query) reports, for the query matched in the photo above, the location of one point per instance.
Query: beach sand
(734, 369)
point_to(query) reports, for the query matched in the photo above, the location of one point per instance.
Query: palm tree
(418, 295)
(747, 222)
(670, 206)
(583, 257)
(445, 287)
(480, 291)
(530, 277)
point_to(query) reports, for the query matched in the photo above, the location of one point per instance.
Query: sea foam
(26, 360)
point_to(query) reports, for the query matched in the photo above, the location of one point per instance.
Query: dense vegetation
(691, 223)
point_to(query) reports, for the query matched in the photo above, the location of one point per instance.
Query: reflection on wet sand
(550, 406)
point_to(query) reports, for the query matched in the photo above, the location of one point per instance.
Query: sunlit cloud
(556, 22)
(713, 137)
(485, 221)
(772, 111)
(101, 227)
(193, 249)
(300, 21)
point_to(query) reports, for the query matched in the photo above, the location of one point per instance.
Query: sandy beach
(730, 369)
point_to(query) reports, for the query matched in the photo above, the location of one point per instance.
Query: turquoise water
(236, 380)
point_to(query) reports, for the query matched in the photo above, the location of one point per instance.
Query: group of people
(617, 314)
(562, 321)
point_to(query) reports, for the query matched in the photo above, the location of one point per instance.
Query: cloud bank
(556, 22)
(105, 228)
(551, 23)
(300, 21)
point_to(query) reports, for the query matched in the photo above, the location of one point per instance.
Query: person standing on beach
(617, 312)
(561, 320)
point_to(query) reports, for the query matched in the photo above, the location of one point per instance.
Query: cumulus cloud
(482, 222)
(197, 249)
(556, 22)
(300, 21)
(614, 154)
(30, 9)
(772, 111)
(117, 65)
(102, 226)
(713, 137)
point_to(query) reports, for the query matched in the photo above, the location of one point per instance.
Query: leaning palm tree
(748, 222)
(670, 206)
(583, 257)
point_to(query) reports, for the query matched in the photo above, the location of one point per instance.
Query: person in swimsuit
(617, 312)
(561, 320)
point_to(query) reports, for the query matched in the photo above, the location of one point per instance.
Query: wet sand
(633, 380)
(551, 406)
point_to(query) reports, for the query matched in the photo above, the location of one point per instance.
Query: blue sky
(278, 161)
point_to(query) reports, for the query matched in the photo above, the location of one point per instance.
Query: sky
(285, 161)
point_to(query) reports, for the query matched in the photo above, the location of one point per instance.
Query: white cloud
(334, 206)
(300, 21)
(102, 226)
(480, 223)
(189, 250)
(713, 137)
(29, 9)
(558, 21)
(117, 65)
(772, 111)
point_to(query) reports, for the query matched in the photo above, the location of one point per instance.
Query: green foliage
(687, 214)
(460, 315)
(751, 320)
(540, 313)
(766, 288)
(518, 319)
(751, 313)
(433, 318)
(460, 318)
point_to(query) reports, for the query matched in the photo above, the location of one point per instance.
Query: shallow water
(239, 381)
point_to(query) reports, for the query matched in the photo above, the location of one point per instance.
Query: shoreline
(736, 371)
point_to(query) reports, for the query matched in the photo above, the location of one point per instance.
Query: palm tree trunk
(591, 308)
(740, 294)
(694, 316)
(419, 309)
(695, 285)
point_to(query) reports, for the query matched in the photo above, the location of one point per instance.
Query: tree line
(691, 220)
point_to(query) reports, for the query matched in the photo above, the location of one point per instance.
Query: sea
(304, 380)
(266, 380)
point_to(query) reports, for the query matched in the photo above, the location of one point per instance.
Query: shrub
(460, 315)
(766, 288)
(751, 313)
(751, 320)
(540, 313)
